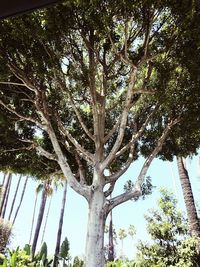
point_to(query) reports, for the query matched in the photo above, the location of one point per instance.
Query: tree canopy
(92, 85)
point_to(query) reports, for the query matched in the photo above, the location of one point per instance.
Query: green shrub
(5, 233)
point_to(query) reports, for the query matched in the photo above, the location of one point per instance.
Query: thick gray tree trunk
(94, 252)
(193, 221)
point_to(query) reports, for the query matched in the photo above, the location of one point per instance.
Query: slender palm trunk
(4, 178)
(5, 188)
(14, 198)
(21, 199)
(33, 217)
(110, 237)
(46, 220)
(59, 233)
(6, 198)
(193, 221)
(39, 221)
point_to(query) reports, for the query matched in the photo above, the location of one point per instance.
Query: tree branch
(123, 121)
(78, 115)
(22, 76)
(83, 190)
(123, 169)
(136, 191)
(21, 116)
(45, 153)
(109, 191)
(80, 169)
(112, 131)
(86, 154)
(136, 136)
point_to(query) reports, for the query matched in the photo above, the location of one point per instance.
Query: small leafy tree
(64, 251)
(77, 262)
(171, 244)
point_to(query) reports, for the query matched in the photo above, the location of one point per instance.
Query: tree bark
(39, 221)
(94, 251)
(193, 221)
(4, 178)
(33, 217)
(59, 233)
(21, 199)
(14, 198)
(46, 219)
(4, 189)
(110, 243)
(6, 197)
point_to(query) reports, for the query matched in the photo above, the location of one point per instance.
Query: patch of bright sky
(163, 174)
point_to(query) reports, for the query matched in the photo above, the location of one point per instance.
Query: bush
(5, 233)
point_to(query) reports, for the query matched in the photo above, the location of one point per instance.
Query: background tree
(122, 235)
(45, 191)
(60, 225)
(64, 251)
(172, 246)
(21, 199)
(193, 220)
(91, 79)
(4, 189)
(38, 189)
(14, 197)
(5, 230)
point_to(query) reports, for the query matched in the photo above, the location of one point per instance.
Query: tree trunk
(94, 252)
(39, 221)
(193, 221)
(6, 197)
(14, 198)
(4, 189)
(59, 233)
(4, 178)
(46, 220)
(110, 243)
(21, 199)
(33, 217)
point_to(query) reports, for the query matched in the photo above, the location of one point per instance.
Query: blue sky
(163, 174)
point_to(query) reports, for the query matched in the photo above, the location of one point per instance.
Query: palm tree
(45, 190)
(46, 218)
(4, 189)
(59, 233)
(193, 221)
(4, 178)
(110, 240)
(21, 199)
(14, 198)
(122, 235)
(6, 197)
(38, 189)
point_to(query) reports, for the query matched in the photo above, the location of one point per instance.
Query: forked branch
(137, 189)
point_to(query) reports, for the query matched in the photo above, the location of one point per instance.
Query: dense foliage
(171, 245)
